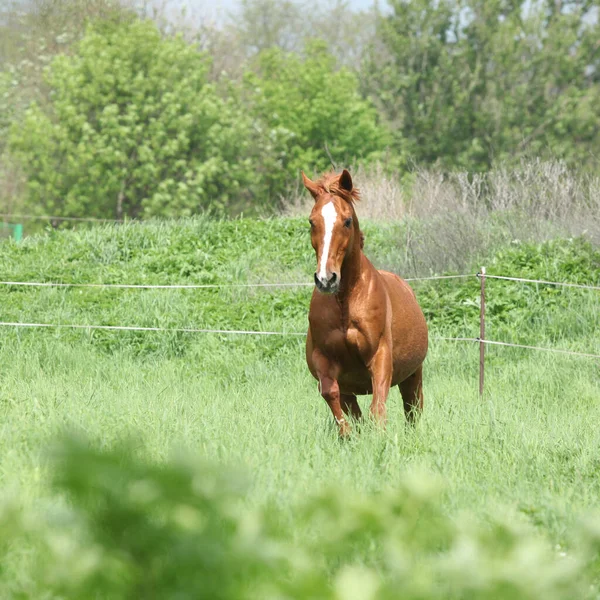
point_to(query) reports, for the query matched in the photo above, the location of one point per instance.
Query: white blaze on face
(329, 215)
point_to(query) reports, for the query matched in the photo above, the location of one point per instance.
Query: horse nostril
(317, 282)
(333, 278)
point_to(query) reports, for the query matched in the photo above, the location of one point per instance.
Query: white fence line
(136, 328)
(192, 286)
(511, 345)
(482, 342)
(542, 281)
(265, 333)
(546, 349)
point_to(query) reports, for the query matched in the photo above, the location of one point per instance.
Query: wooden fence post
(482, 334)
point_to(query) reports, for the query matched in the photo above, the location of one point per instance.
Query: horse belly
(354, 383)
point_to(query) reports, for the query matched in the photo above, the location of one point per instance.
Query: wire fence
(545, 349)
(543, 282)
(481, 340)
(139, 328)
(91, 327)
(186, 330)
(192, 286)
(149, 286)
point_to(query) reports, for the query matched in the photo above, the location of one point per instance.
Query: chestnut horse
(366, 330)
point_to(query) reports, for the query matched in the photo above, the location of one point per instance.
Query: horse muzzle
(327, 285)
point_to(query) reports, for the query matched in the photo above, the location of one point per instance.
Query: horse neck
(351, 266)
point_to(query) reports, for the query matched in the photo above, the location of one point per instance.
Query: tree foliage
(470, 82)
(130, 119)
(306, 108)
(134, 128)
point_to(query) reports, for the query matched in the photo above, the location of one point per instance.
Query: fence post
(482, 334)
(18, 232)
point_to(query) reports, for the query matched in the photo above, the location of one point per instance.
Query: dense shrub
(134, 128)
(518, 310)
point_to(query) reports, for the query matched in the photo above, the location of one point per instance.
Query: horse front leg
(330, 390)
(381, 379)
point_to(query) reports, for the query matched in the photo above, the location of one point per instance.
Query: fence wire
(192, 286)
(542, 281)
(140, 328)
(544, 348)
(264, 333)
(270, 285)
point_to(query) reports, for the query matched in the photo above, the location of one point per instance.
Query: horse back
(396, 285)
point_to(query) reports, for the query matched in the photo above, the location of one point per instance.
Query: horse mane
(329, 183)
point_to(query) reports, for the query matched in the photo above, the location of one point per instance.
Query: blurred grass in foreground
(135, 529)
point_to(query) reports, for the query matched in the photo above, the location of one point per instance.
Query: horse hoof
(345, 431)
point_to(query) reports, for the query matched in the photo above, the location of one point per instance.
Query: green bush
(134, 128)
(522, 311)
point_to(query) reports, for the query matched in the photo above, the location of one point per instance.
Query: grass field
(527, 454)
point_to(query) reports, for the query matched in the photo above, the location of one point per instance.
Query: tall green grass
(484, 499)
(525, 458)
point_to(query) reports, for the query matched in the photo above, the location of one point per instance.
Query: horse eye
(348, 222)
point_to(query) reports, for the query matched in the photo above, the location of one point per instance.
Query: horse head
(335, 232)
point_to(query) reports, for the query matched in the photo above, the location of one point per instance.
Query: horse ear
(311, 186)
(346, 181)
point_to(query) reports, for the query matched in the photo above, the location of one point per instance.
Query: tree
(32, 32)
(304, 108)
(469, 82)
(265, 24)
(133, 128)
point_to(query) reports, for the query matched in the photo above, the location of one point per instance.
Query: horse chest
(353, 339)
(347, 345)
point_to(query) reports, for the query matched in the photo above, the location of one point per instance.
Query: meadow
(207, 465)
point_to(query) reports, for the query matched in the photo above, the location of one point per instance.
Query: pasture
(527, 456)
